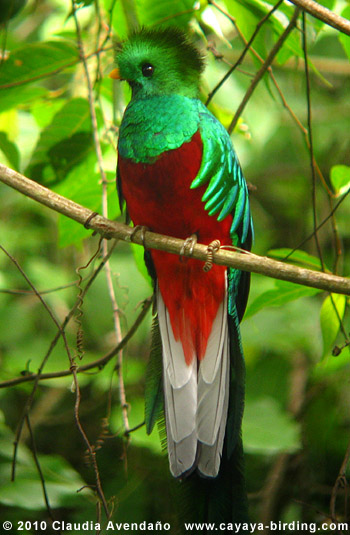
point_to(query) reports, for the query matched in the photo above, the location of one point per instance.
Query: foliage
(296, 422)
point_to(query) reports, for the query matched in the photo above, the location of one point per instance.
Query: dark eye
(147, 70)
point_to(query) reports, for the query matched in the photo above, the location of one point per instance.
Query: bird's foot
(188, 246)
(143, 231)
(211, 249)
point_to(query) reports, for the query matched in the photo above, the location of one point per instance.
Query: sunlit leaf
(332, 313)
(340, 178)
(343, 38)
(23, 95)
(295, 256)
(283, 293)
(332, 364)
(178, 12)
(36, 61)
(83, 185)
(63, 144)
(10, 150)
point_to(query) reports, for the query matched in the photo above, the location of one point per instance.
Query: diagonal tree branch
(112, 229)
(323, 13)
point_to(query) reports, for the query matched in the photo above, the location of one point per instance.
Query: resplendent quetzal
(179, 176)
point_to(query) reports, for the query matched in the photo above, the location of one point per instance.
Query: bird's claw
(143, 231)
(188, 246)
(211, 249)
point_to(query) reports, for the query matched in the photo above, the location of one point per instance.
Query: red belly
(158, 195)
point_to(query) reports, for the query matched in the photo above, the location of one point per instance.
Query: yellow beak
(115, 74)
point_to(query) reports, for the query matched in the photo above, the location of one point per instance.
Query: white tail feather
(182, 455)
(195, 402)
(210, 456)
(180, 381)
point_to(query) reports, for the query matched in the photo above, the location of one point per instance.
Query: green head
(160, 62)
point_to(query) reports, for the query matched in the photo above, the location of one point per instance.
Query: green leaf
(178, 12)
(36, 61)
(267, 429)
(332, 364)
(332, 312)
(63, 144)
(44, 110)
(340, 178)
(16, 97)
(83, 186)
(9, 9)
(296, 256)
(138, 253)
(120, 20)
(343, 38)
(283, 293)
(62, 481)
(317, 23)
(10, 150)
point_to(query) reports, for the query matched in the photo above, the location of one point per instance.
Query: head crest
(167, 37)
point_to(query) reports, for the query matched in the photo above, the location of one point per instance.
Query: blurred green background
(296, 424)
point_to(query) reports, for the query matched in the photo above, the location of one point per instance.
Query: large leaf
(283, 293)
(332, 313)
(345, 39)
(63, 144)
(340, 178)
(296, 256)
(332, 364)
(178, 12)
(83, 185)
(10, 150)
(36, 61)
(62, 481)
(267, 429)
(20, 96)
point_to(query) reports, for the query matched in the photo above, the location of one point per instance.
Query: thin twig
(274, 81)
(312, 166)
(53, 343)
(40, 472)
(310, 138)
(341, 481)
(320, 225)
(273, 52)
(108, 271)
(245, 50)
(99, 363)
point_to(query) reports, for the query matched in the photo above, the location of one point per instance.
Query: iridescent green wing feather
(226, 191)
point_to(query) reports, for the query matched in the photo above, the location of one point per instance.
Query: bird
(178, 175)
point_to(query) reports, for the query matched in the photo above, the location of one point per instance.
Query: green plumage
(154, 405)
(164, 124)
